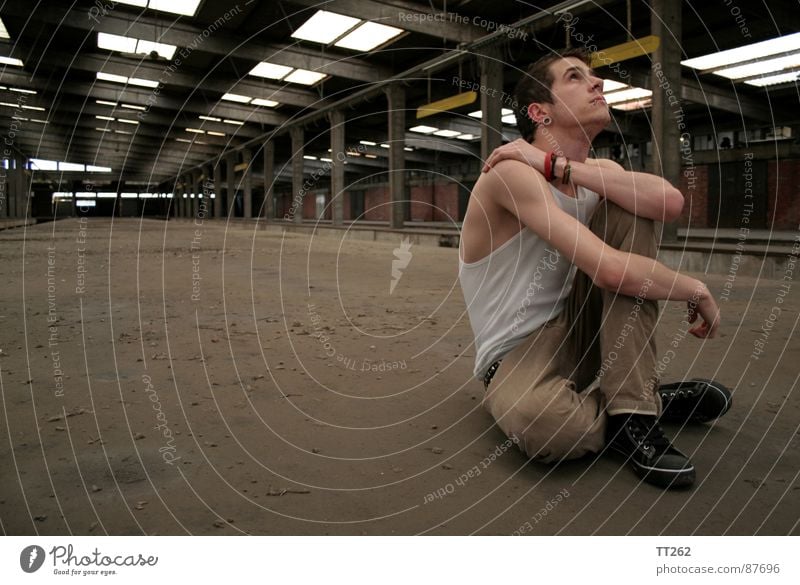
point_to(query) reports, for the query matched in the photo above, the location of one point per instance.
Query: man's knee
(623, 230)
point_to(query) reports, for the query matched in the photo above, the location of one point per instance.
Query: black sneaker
(694, 400)
(641, 440)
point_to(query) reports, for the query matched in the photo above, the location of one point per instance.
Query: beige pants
(543, 395)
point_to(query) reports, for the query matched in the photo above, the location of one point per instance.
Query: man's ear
(537, 112)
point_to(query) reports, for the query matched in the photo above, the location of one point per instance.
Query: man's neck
(574, 145)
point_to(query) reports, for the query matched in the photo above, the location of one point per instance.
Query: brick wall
(374, 204)
(445, 200)
(783, 194)
(695, 197)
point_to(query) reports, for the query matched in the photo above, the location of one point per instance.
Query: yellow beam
(629, 50)
(448, 103)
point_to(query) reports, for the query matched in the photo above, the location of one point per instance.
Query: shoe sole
(665, 478)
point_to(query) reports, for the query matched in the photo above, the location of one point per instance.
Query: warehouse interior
(146, 110)
(228, 234)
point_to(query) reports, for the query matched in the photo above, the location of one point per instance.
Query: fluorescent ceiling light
(83, 194)
(384, 145)
(105, 103)
(466, 137)
(196, 130)
(235, 97)
(132, 107)
(210, 118)
(510, 119)
(611, 85)
(236, 122)
(10, 61)
(121, 132)
(309, 157)
(304, 77)
(368, 36)
(746, 53)
(213, 133)
(506, 112)
(20, 90)
(367, 143)
(103, 194)
(85, 202)
(94, 169)
(102, 129)
(129, 195)
(423, 129)
(39, 121)
(124, 121)
(790, 77)
(263, 102)
(323, 159)
(35, 108)
(761, 67)
(368, 155)
(627, 94)
(408, 149)
(446, 133)
(104, 118)
(270, 70)
(183, 140)
(325, 27)
(3, 30)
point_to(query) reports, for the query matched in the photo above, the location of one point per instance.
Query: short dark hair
(535, 86)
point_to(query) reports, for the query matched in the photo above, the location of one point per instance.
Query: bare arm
(642, 194)
(524, 192)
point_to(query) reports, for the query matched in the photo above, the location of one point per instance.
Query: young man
(557, 270)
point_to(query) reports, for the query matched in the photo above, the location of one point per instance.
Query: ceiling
(218, 47)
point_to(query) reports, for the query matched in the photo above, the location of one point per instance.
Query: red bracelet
(549, 159)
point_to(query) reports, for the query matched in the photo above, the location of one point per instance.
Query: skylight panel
(510, 119)
(447, 133)
(11, 61)
(422, 129)
(68, 166)
(3, 30)
(627, 94)
(368, 36)
(44, 165)
(270, 70)
(304, 77)
(116, 43)
(263, 102)
(235, 97)
(325, 27)
(163, 49)
(142, 82)
(611, 85)
(761, 67)
(766, 48)
(184, 7)
(110, 77)
(790, 77)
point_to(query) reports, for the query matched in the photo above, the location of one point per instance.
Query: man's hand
(519, 150)
(706, 307)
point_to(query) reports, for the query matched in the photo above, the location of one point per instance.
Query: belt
(490, 373)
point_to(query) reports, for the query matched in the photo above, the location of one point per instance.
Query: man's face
(577, 96)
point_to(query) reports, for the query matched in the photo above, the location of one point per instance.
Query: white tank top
(519, 286)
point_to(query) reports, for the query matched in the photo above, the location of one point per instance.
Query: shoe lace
(648, 433)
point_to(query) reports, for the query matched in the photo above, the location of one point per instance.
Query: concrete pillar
(337, 119)
(491, 67)
(197, 189)
(247, 183)
(21, 191)
(230, 192)
(3, 191)
(269, 181)
(665, 21)
(396, 95)
(218, 189)
(298, 193)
